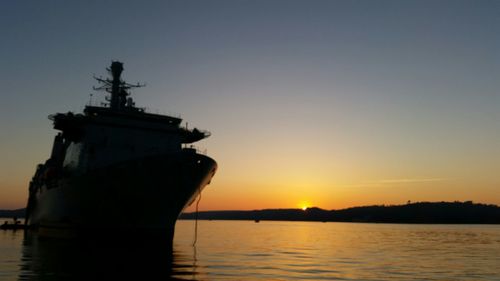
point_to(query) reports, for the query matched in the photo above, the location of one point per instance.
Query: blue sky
(307, 100)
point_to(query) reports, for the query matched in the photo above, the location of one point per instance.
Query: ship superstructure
(117, 167)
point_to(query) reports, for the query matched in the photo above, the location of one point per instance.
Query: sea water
(268, 250)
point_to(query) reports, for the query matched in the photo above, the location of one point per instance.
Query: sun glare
(304, 205)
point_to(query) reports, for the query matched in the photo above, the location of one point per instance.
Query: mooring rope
(196, 220)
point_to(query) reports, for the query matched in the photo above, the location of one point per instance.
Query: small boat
(15, 225)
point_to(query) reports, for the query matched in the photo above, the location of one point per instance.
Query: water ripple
(238, 250)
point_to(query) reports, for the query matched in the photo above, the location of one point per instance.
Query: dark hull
(143, 196)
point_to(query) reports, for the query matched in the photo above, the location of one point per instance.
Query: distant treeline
(423, 212)
(19, 213)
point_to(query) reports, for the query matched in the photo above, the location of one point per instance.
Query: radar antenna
(117, 87)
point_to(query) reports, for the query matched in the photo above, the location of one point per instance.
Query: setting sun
(304, 205)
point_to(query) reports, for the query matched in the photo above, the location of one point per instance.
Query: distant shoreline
(411, 213)
(18, 213)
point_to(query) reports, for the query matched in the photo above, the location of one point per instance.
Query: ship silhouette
(135, 167)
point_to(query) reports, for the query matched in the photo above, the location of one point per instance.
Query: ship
(117, 168)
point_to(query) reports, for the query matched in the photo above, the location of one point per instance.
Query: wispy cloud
(401, 181)
(406, 180)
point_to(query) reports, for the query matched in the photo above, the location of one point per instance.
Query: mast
(117, 88)
(118, 94)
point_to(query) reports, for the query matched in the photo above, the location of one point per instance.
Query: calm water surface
(244, 250)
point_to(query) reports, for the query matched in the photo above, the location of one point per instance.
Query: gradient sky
(319, 103)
